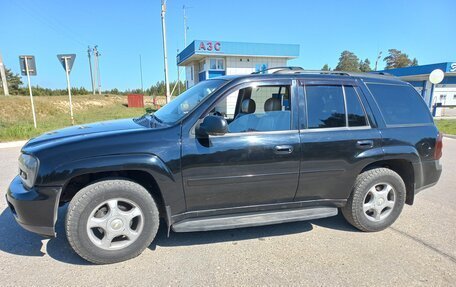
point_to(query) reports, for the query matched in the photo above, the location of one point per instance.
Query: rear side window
(355, 112)
(325, 107)
(400, 104)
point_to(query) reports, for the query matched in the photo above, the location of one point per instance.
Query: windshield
(185, 102)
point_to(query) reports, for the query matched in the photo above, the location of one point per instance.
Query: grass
(447, 126)
(16, 122)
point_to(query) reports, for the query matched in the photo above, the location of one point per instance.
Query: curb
(449, 136)
(12, 144)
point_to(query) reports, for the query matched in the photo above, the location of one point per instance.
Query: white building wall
(247, 65)
(445, 94)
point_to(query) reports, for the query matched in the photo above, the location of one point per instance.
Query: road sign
(28, 68)
(69, 61)
(30, 63)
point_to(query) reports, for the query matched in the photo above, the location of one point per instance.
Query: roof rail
(276, 70)
(381, 73)
(341, 73)
(299, 70)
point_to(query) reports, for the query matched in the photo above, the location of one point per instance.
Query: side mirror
(212, 126)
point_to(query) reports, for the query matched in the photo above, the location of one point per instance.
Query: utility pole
(89, 51)
(140, 72)
(96, 54)
(165, 55)
(3, 77)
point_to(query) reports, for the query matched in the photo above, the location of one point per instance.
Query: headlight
(28, 169)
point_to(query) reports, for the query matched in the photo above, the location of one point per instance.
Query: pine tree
(348, 61)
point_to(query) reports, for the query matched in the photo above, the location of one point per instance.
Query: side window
(355, 111)
(258, 109)
(325, 107)
(400, 104)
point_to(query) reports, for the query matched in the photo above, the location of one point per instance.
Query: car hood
(85, 130)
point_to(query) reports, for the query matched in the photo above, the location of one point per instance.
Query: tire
(366, 208)
(125, 217)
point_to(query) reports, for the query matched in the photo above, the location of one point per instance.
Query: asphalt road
(419, 249)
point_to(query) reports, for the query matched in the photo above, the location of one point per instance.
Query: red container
(135, 100)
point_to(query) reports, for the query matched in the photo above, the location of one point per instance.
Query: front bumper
(35, 209)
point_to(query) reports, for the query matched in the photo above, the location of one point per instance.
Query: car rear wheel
(376, 201)
(111, 221)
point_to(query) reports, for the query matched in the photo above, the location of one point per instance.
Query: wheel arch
(147, 170)
(404, 168)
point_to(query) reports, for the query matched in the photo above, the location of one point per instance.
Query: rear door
(337, 139)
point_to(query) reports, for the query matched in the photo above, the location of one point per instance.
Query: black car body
(195, 167)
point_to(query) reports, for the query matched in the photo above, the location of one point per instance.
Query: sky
(124, 30)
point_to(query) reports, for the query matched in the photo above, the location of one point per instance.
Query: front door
(257, 161)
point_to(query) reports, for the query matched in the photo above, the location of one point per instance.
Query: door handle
(283, 149)
(365, 144)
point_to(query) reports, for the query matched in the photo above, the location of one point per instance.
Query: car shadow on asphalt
(15, 240)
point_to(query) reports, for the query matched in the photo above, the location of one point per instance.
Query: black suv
(230, 152)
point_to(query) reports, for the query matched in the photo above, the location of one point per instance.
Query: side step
(252, 219)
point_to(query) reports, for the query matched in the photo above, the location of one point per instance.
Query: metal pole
(185, 28)
(90, 68)
(69, 89)
(3, 77)
(376, 61)
(165, 55)
(97, 54)
(178, 77)
(140, 70)
(95, 73)
(30, 90)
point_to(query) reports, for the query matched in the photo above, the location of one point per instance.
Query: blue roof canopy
(222, 48)
(447, 67)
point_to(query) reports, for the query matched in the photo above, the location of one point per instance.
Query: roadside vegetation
(52, 112)
(447, 126)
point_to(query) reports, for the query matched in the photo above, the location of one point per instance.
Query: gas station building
(204, 59)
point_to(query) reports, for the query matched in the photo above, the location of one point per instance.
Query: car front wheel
(111, 221)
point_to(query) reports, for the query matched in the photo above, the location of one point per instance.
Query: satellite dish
(436, 76)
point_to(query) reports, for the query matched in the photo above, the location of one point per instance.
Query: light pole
(165, 55)
(378, 58)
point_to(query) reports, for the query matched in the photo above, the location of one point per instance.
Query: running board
(252, 219)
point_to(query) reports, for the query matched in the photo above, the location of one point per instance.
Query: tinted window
(325, 107)
(400, 104)
(355, 112)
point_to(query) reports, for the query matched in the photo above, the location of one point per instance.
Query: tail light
(438, 147)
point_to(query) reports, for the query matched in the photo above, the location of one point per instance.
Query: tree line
(16, 87)
(349, 62)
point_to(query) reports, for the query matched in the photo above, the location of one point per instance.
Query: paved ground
(420, 249)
